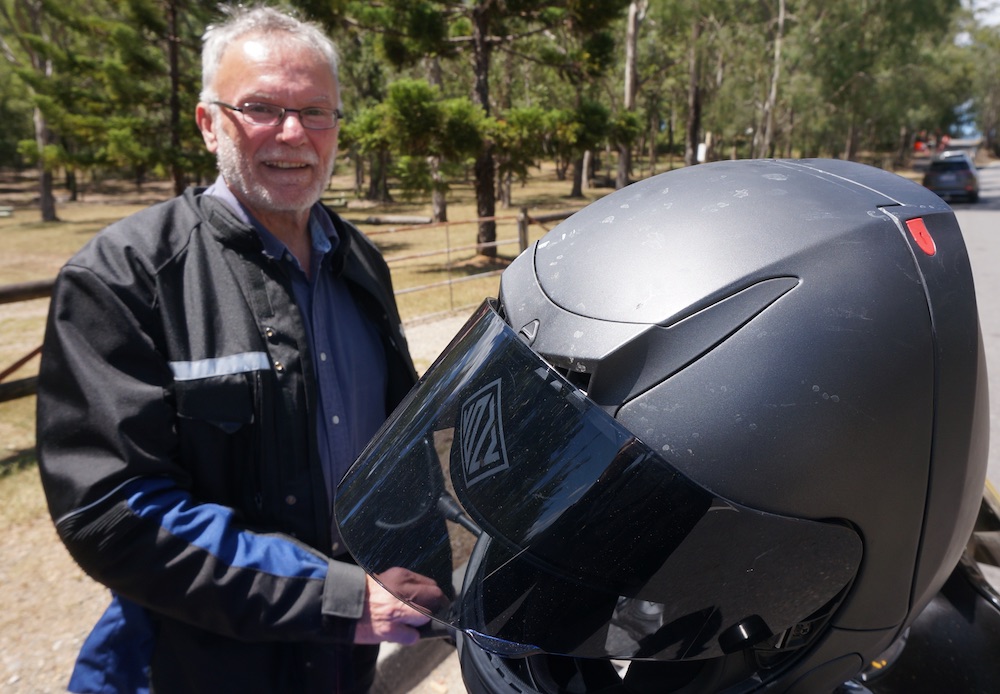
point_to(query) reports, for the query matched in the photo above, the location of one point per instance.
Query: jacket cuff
(344, 591)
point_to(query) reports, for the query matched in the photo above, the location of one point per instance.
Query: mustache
(308, 158)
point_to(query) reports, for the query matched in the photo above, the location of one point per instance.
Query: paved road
(980, 224)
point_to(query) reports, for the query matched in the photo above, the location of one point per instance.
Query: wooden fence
(11, 390)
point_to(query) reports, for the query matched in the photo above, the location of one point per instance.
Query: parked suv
(952, 174)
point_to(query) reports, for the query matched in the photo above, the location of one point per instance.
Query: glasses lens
(262, 114)
(318, 118)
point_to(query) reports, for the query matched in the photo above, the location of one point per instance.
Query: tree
(15, 114)
(366, 136)
(858, 44)
(519, 135)
(986, 85)
(110, 81)
(636, 13)
(411, 30)
(430, 133)
(32, 36)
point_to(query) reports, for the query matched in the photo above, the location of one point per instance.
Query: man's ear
(206, 123)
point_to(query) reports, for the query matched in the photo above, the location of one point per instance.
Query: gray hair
(266, 21)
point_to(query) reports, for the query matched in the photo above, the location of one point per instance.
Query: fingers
(415, 588)
(386, 618)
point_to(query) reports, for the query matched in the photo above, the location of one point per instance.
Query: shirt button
(336, 546)
(291, 500)
(335, 419)
(322, 356)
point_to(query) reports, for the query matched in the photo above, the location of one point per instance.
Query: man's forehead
(257, 66)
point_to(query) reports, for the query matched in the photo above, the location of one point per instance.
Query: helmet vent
(580, 379)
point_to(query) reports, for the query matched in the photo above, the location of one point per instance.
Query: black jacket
(177, 446)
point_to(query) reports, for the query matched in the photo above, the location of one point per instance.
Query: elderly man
(212, 366)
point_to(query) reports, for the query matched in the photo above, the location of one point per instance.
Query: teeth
(286, 165)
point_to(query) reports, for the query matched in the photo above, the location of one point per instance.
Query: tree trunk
(851, 143)
(378, 182)
(486, 203)
(439, 197)
(359, 173)
(485, 167)
(694, 98)
(635, 11)
(503, 193)
(772, 95)
(173, 51)
(654, 132)
(439, 201)
(46, 197)
(577, 191)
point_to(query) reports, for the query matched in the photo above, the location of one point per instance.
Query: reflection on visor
(583, 540)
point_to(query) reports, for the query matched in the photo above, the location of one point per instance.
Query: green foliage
(519, 136)
(847, 77)
(419, 125)
(625, 127)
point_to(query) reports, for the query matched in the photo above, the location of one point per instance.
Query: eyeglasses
(312, 117)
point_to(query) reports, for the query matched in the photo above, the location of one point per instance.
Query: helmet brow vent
(660, 352)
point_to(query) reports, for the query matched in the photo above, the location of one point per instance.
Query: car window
(952, 165)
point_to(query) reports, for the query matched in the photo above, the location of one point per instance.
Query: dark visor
(583, 540)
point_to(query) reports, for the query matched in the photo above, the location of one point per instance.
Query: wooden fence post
(522, 228)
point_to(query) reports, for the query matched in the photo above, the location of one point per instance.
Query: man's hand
(386, 618)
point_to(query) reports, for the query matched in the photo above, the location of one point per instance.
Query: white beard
(237, 171)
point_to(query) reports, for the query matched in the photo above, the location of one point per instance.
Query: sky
(990, 11)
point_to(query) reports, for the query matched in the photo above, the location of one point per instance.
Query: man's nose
(290, 128)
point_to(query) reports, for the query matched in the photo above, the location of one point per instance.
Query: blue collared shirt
(348, 355)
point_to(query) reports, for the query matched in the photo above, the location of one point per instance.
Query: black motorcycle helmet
(727, 426)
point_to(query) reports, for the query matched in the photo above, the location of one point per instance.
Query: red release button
(918, 230)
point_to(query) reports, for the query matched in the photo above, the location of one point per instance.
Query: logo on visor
(484, 452)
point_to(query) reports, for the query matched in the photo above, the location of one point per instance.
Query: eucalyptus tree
(628, 129)
(857, 46)
(985, 51)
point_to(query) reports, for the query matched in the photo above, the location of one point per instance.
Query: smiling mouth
(286, 165)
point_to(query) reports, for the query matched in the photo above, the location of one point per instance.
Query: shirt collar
(321, 228)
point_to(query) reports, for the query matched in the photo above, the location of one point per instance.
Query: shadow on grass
(16, 462)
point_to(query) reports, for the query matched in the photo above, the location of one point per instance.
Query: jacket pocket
(226, 402)
(218, 429)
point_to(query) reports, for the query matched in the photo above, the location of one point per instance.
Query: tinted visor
(575, 537)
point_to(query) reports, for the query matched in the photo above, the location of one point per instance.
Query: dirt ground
(49, 604)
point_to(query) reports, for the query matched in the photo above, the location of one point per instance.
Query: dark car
(953, 174)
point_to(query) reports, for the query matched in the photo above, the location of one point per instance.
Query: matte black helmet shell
(729, 423)
(799, 337)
